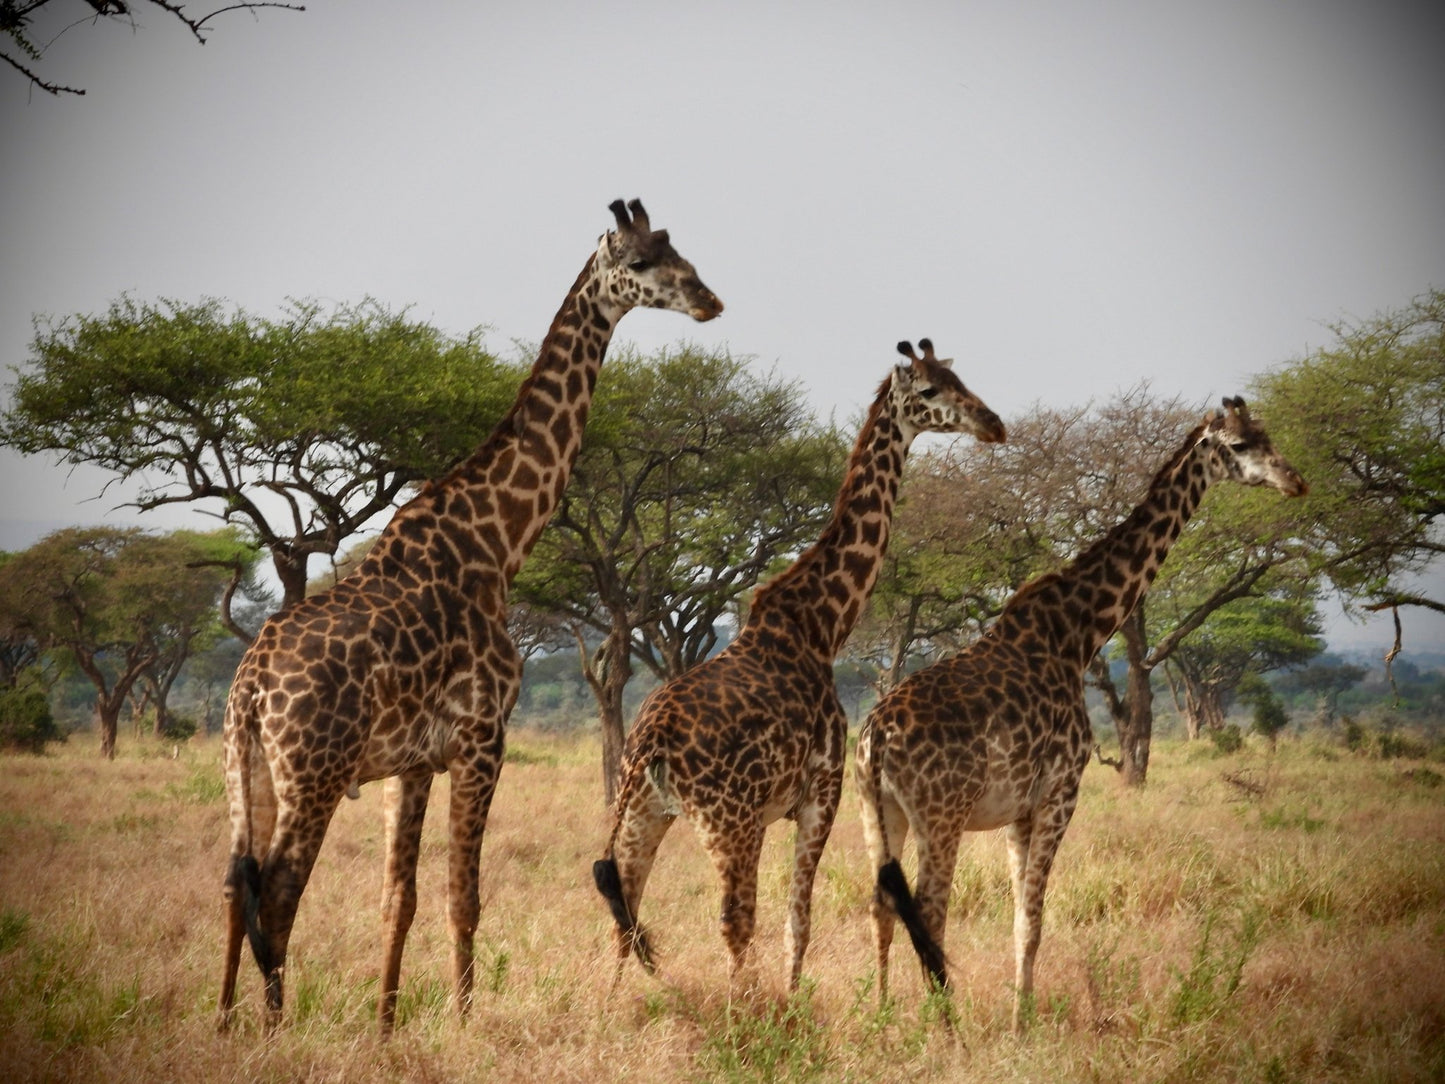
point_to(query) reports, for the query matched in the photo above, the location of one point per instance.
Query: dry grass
(1192, 933)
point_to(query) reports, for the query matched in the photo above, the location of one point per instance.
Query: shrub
(178, 727)
(1227, 739)
(25, 721)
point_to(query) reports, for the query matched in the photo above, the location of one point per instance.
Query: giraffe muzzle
(705, 307)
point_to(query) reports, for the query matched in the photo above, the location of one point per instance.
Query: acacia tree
(18, 24)
(299, 429)
(192, 623)
(19, 649)
(1323, 680)
(1249, 636)
(1365, 418)
(111, 601)
(695, 478)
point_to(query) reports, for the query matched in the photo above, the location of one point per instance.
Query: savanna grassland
(1196, 930)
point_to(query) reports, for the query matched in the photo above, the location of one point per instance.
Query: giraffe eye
(928, 393)
(639, 265)
(1238, 445)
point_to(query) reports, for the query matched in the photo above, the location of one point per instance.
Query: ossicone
(1236, 407)
(639, 216)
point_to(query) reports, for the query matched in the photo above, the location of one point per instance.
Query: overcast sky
(1068, 198)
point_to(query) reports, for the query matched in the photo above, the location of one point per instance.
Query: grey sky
(1068, 198)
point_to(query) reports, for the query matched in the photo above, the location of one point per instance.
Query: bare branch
(35, 80)
(1394, 602)
(110, 9)
(234, 7)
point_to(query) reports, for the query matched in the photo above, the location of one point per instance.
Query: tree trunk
(163, 719)
(1182, 704)
(902, 645)
(291, 571)
(107, 720)
(1136, 722)
(608, 672)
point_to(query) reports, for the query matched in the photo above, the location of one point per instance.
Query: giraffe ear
(902, 376)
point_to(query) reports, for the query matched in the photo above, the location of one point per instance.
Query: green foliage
(336, 411)
(1212, 979)
(120, 605)
(1227, 739)
(1269, 716)
(1238, 642)
(26, 724)
(13, 927)
(768, 1043)
(1364, 420)
(178, 728)
(54, 989)
(204, 786)
(696, 479)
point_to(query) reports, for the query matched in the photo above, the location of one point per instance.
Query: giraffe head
(639, 266)
(928, 397)
(1246, 453)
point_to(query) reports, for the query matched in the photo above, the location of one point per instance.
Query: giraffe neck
(824, 591)
(485, 515)
(1078, 609)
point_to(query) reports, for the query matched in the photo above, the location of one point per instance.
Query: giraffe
(404, 668)
(997, 735)
(757, 732)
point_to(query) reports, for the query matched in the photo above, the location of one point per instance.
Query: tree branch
(36, 81)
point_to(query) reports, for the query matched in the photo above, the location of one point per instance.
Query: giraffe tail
(608, 879)
(893, 892)
(892, 889)
(243, 883)
(609, 883)
(242, 887)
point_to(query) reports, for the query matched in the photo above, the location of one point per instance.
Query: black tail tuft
(609, 883)
(246, 874)
(893, 892)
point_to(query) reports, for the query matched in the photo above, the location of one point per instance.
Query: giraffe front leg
(405, 809)
(472, 788)
(1032, 844)
(815, 822)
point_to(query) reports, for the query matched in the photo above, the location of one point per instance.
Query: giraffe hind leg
(631, 937)
(893, 893)
(622, 875)
(885, 829)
